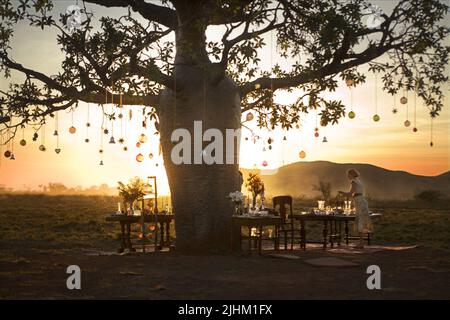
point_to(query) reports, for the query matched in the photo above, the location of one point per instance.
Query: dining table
(333, 225)
(250, 221)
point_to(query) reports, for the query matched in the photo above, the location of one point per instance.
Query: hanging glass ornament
(35, 136)
(130, 114)
(376, 118)
(431, 144)
(150, 155)
(284, 138)
(138, 144)
(55, 133)
(415, 129)
(101, 162)
(249, 116)
(121, 140)
(139, 157)
(142, 138)
(42, 148)
(316, 134)
(7, 154)
(403, 100)
(57, 150)
(407, 123)
(246, 138)
(264, 163)
(111, 140)
(297, 126)
(13, 157)
(324, 139)
(23, 142)
(105, 131)
(100, 151)
(72, 130)
(264, 149)
(86, 140)
(351, 115)
(125, 148)
(269, 141)
(270, 147)
(302, 154)
(120, 116)
(349, 82)
(257, 86)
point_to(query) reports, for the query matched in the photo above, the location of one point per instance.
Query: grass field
(39, 233)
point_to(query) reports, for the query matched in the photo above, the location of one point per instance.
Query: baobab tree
(158, 56)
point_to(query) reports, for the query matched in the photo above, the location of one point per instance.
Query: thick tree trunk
(199, 191)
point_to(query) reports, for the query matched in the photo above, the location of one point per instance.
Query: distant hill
(297, 179)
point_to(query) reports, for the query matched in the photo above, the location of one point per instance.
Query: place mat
(330, 262)
(283, 256)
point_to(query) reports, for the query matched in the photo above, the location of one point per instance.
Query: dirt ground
(41, 236)
(415, 273)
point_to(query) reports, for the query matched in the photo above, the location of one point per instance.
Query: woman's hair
(353, 172)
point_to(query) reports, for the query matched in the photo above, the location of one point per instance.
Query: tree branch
(152, 12)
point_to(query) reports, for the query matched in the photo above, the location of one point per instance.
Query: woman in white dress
(362, 219)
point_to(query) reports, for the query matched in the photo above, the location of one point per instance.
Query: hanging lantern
(23, 142)
(324, 139)
(349, 82)
(264, 163)
(42, 148)
(111, 140)
(351, 115)
(13, 157)
(407, 123)
(142, 138)
(7, 154)
(139, 157)
(302, 154)
(249, 116)
(376, 118)
(415, 129)
(57, 150)
(72, 130)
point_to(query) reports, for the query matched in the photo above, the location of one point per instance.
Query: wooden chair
(287, 229)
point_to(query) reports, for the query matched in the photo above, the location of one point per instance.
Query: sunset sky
(386, 143)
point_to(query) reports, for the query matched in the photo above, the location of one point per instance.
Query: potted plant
(131, 192)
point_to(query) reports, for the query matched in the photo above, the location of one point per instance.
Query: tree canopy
(133, 57)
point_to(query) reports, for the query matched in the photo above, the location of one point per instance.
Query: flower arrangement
(237, 198)
(255, 185)
(132, 191)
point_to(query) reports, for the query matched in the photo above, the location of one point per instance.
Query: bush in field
(428, 196)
